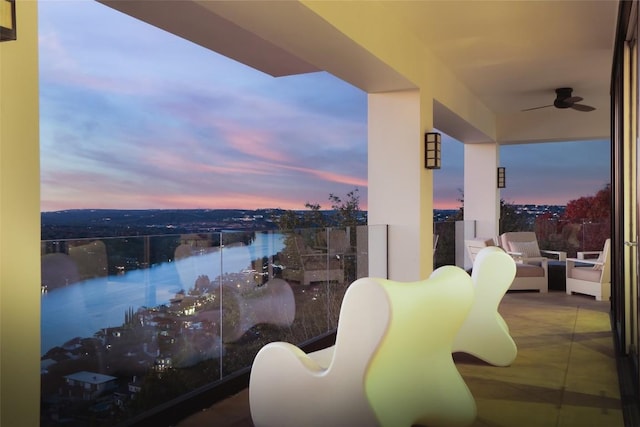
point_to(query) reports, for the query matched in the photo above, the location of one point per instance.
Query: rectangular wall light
(7, 20)
(432, 150)
(502, 178)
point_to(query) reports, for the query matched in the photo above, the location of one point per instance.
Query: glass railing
(450, 248)
(572, 236)
(129, 324)
(552, 234)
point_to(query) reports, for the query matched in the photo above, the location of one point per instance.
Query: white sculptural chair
(391, 364)
(590, 276)
(484, 333)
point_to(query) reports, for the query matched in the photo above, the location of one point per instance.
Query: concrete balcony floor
(565, 373)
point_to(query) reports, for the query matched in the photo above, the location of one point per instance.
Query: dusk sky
(140, 119)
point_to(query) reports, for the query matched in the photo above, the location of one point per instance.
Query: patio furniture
(590, 276)
(475, 245)
(523, 245)
(484, 333)
(309, 262)
(557, 275)
(527, 277)
(532, 268)
(391, 364)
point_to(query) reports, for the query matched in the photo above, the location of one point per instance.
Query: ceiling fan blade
(537, 108)
(582, 107)
(573, 99)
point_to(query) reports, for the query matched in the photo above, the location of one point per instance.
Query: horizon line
(256, 209)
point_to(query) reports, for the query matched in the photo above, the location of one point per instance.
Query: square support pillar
(481, 195)
(400, 190)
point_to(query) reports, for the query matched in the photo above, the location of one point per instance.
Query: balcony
(564, 375)
(176, 320)
(169, 316)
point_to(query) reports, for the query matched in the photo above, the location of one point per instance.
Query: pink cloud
(331, 176)
(253, 142)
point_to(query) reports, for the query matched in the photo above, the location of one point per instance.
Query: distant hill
(80, 223)
(122, 217)
(85, 223)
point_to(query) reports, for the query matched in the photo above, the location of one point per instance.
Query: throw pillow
(527, 249)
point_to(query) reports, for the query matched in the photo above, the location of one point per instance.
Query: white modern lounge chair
(391, 364)
(590, 276)
(485, 333)
(532, 269)
(474, 246)
(523, 245)
(528, 276)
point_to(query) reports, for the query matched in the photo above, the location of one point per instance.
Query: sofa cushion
(529, 270)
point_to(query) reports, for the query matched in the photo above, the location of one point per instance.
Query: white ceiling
(512, 54)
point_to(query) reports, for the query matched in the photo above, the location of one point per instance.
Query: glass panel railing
(445, 250)
(450, 248)
(572, 236)
(552, 234)
(132, 323)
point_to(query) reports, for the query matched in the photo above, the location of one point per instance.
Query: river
(83, 308)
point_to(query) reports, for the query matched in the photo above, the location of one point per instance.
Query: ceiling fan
(565, 100)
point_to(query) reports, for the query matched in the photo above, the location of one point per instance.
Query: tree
(348, 213)
(589, 218)
(288, 220)
(510, 219)
(312, 217)
(590, 208)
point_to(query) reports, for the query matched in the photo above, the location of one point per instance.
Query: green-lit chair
(484, 333)
(391, 365)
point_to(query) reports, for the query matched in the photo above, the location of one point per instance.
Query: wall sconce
(7, 20)
(502, 178)
(432, 150)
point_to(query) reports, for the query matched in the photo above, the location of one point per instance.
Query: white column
(400, 189)
(481, 193)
